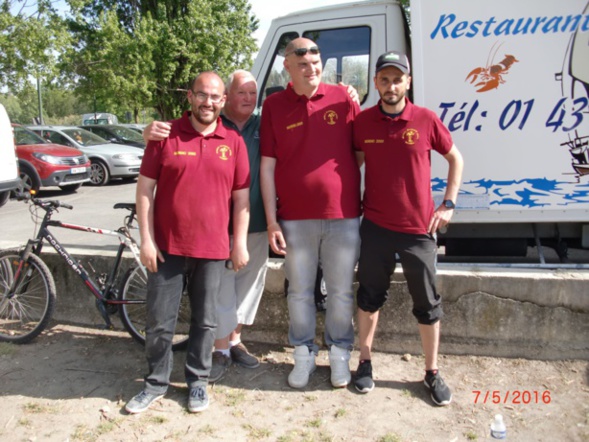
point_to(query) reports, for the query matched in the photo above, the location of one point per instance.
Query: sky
(266, 10)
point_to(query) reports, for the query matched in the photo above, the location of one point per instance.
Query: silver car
(107, 160)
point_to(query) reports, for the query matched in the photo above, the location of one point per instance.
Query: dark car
(44, 164)
(116, 133)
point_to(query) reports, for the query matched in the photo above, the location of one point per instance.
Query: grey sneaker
(220, 365)
(241, 356)
(198, 400)
(142, 402)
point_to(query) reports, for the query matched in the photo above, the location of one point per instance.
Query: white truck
(509, 78)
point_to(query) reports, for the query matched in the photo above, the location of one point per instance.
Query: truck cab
(9, 176)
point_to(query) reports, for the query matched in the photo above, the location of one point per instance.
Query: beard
(392, 99)
(205, 115)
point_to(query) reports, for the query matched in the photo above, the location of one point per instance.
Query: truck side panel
(499, 76)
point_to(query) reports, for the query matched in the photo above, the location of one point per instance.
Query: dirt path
(72, 383)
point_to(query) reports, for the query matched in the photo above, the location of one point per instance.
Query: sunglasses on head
(299, 52)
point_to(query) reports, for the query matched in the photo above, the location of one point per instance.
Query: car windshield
(24, 136)
(127, 134)
(84, 137)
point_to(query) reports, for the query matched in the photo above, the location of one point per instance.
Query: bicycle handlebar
(44, 204)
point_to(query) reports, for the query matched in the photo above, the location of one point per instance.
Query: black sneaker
(363, 378)
(440, 393)
(142, 402)
(198, 400)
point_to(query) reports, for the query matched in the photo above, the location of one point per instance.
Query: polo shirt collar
(406, 115)
(186, 126)
(296, 97)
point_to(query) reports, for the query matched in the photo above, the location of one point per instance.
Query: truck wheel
(99, 174)
(4, 197)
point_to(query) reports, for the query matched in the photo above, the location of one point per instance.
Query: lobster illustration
(491, 76)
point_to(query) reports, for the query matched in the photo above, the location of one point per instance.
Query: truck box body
(510, 79)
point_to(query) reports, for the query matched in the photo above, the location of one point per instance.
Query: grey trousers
(164, 291)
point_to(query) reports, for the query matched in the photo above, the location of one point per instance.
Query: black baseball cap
(395, 59)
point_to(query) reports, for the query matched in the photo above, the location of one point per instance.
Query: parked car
(116, 133)
(9, 179)
(107, 160)
(137, 127)
(43, 164)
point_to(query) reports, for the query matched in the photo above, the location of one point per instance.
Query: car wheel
(29, 179)
(99, 175)
(71, 187)
(4, 197)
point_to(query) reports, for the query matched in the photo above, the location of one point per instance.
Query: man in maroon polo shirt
(311, 190)
(186, 188)
(395, 139)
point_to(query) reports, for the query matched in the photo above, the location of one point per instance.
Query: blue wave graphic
(528, 192)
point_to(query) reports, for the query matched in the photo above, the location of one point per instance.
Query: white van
(9, 179)
(99, 118)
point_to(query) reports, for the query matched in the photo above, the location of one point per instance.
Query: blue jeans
(164, 291)
(336, 244)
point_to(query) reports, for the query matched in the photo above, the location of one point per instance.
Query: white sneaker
(304, 360)
(339, 360)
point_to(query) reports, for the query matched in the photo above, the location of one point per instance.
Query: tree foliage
(32, 35)
(137, 54)
(122, 55)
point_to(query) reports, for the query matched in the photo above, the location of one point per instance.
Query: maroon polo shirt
(195, 177)
(397, 177)
(316, 176)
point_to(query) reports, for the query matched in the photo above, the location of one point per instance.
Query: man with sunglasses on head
(395, 139)
(187, 186)
(311, 190)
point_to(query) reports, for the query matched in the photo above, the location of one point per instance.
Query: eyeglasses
(201, 96)
(299, 52)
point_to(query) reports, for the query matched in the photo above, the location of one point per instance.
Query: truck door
(348, 47)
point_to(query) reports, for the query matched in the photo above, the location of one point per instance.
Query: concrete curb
(536, 314)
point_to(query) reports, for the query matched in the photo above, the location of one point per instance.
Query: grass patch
(471, 435)
(256, 432)
(340, 412)
(235, 397)
(157, 419)
(36, 408)
(7, 349)
(315, 423)
(390, 437)
(310, 397)
(209, 430)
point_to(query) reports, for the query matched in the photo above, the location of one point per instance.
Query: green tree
(32, 35)
(138, 54)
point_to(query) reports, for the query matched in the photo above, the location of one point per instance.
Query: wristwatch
(449, 204)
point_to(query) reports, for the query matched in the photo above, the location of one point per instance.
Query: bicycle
(27, 287)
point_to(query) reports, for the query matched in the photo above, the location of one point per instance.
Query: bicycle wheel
(134, 316)
(25, 311)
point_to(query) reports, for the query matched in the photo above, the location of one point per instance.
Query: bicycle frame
(104, 292)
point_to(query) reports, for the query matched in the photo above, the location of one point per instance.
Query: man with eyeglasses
(188, 185)
(311, 190)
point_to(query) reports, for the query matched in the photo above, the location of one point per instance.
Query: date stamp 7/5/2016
(512, 397)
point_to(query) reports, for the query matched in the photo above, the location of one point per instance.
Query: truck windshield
(344, 54)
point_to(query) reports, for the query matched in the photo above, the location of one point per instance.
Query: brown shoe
(241, 356)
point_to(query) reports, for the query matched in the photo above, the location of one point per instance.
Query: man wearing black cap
(395, 139)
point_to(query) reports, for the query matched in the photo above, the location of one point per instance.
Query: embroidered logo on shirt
(224, 152)
(330, 117)
(292, 126)
(410, 136)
